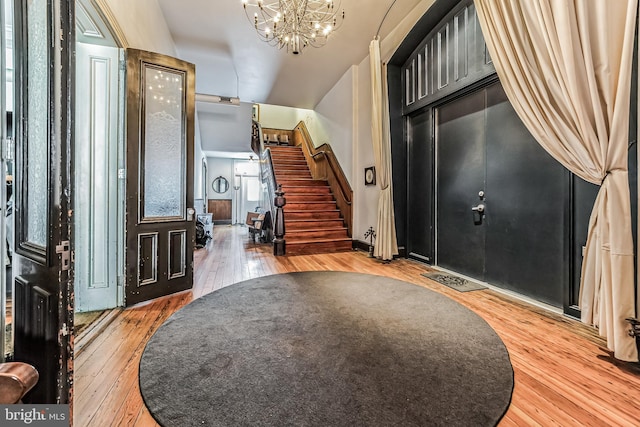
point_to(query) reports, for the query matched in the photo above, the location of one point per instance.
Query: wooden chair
(254, 223)
(16, 379)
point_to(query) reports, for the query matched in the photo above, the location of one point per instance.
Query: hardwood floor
(563, 374)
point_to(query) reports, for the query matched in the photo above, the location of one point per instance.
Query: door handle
(479, 208)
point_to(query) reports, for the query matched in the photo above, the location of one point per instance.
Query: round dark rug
(325, 349)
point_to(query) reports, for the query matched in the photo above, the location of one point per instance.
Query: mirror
(220, 184)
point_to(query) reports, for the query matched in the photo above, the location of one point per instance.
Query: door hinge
(65, 255)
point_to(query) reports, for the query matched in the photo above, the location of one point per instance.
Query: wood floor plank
(562, 374)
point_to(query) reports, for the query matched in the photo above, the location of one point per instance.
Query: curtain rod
(385, 17)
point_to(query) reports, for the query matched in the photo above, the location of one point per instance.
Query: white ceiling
(230, 60)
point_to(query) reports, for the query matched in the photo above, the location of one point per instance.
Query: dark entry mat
(454, 282)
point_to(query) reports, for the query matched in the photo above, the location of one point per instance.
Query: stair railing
(324, 165)
(267, 173)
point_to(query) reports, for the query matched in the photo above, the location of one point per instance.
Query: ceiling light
(293, 24)
(217, 99)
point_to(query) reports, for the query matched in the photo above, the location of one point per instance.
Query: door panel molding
(177, 246)
(147, 258)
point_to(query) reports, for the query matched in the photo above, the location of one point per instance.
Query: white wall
(141, 22)
(8, 35)
(335, 114)
(199, 157)
(279, 117)
(357, 82)
(365, 211)
(218, 166)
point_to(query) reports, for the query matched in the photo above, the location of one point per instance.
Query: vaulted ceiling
(231, 61)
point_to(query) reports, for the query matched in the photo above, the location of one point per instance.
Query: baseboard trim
(360, 245)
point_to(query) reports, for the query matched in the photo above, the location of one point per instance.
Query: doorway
(500, 198)
(247, 189)
(99, 196)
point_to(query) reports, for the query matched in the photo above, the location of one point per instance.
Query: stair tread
(311, 214)
(313, 220)
(310, 202)
(292, 188)
(320, 240)
(312, 210)
(308, 230)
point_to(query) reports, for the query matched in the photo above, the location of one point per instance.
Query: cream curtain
(386, 244)
(566, 68)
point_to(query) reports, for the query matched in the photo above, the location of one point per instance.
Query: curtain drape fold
(565, 66)
(386, 243)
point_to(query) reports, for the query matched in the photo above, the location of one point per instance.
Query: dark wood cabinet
(221, 210)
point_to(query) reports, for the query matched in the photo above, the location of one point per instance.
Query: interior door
(160, 223)
(461, 162)
(247, 197)
(97, 204)
(43, 262)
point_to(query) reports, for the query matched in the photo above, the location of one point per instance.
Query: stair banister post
(279, 244)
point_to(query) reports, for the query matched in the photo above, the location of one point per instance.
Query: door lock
(65, 255)
(479, 208)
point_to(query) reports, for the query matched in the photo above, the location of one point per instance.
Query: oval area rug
(325, 349)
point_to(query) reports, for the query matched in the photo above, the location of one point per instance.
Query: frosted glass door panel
(37, 143)
(164, 144)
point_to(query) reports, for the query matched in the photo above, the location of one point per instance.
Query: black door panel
(527, 191)
(460, 177)
(486, 158)
(420, 241)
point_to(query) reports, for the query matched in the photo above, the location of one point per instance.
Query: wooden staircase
(313, 223)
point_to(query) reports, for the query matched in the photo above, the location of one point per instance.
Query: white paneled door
(98, 224)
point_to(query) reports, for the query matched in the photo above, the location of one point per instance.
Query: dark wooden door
(43, 263)
(160, 136)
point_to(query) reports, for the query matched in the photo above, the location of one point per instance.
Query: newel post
(279, 244)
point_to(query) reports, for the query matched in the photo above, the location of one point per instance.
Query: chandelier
(294, 24)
